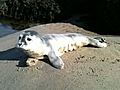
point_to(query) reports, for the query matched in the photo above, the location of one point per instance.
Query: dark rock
(32, 10)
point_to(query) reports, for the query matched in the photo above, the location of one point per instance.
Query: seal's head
(28, 39)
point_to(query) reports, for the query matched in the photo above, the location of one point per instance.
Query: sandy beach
(87, 68)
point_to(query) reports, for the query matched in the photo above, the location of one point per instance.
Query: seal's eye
(29, 39)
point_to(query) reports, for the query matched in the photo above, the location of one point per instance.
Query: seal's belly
(33, 54)
(67, 42)
(63, 44)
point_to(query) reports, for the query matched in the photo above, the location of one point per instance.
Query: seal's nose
(19, 44)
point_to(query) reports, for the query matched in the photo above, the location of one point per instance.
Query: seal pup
(53, 45)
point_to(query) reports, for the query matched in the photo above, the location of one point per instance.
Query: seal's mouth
(19, 46)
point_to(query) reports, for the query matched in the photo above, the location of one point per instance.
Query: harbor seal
(53, 45)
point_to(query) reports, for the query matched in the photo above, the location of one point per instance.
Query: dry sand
(87, 68)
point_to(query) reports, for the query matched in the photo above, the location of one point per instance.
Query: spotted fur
(53, 45)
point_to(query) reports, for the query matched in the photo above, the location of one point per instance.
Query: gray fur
(54, 45)
(22, 39)
(31, 32)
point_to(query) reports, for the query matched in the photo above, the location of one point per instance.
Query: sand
(87, 68)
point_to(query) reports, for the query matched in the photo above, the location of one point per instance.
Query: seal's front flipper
(55, 60)
(31, 61)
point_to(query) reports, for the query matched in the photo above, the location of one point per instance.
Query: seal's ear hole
(29, 39)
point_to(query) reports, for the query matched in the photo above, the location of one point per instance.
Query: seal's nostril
(19, 44)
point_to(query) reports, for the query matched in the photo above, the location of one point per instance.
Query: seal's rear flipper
(98, 42)
(100, 39)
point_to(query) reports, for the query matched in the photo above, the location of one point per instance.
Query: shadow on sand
(15, 54)
(12, 54)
